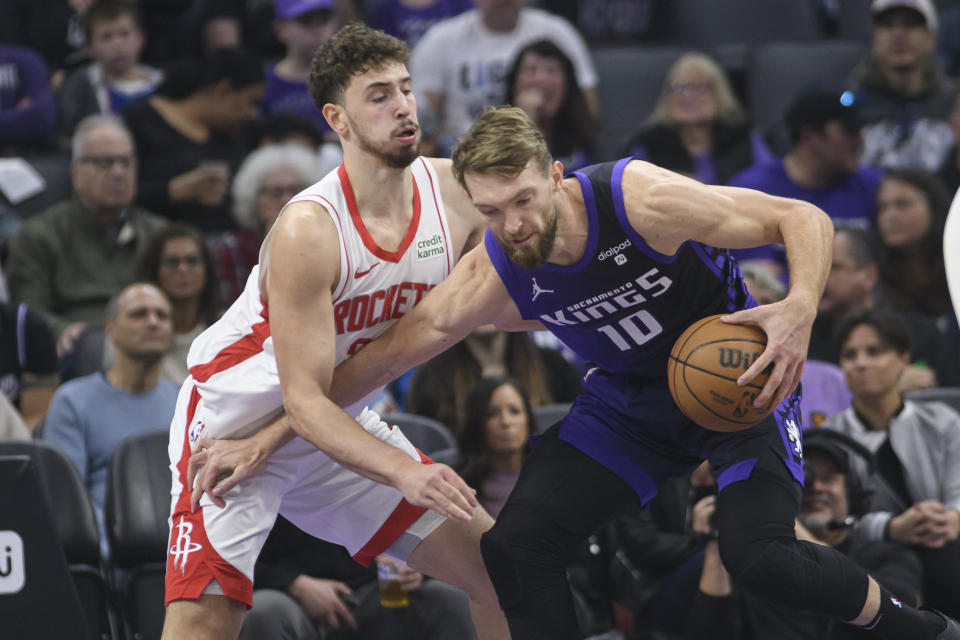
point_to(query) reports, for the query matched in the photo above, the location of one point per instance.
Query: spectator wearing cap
(906, 97)
(301, 26)
(822, 166)
(831, 502)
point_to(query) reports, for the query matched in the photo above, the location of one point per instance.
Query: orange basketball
(702, 373)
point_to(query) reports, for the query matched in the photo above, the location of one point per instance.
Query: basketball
(702, 373)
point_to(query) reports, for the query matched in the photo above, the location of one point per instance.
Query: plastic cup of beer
(391, 595)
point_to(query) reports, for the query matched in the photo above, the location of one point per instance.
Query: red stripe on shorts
(404, 515)
(246, 347)
(192, 563)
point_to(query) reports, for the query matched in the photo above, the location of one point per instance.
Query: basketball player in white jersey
(345, 259)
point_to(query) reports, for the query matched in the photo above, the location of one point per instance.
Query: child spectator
(115, 76)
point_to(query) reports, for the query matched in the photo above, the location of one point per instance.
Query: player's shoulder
(304, 225)
(454, 196)
(303, 246)
(640, 176)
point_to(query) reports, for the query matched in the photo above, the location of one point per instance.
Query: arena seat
(854, 20)
(777, 71)
(54, 167)
(138, 505)
(47, 506)
(727, 29)
(629, 84)
(430, 436)
(946, 395)
(88, 351)
(545, 416)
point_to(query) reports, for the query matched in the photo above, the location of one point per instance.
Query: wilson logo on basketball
(735, 358)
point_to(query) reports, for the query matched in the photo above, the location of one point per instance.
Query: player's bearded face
(536, 253)
(393, 154)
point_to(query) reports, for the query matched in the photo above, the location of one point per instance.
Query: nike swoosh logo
(360, 274)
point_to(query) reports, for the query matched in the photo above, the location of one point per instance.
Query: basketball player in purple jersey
(617, 260)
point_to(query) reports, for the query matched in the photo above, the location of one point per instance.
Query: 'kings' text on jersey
(622, 305)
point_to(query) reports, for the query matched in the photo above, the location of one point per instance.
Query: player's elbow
(443, 328)
(300, 404)
(813, 215)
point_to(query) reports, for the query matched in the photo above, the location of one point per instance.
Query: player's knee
(521, 551)
(738, 554)
(758, 564)
(495, 548)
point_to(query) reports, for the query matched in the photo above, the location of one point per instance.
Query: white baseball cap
(925, 8)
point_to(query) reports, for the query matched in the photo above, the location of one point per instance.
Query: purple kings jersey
(622, 305)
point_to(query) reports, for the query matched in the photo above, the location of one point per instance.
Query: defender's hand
(216, 466)
(438, 487)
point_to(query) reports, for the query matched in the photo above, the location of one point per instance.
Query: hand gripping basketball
(702, 372)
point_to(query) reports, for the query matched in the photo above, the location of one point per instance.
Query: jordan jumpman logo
(537, 290)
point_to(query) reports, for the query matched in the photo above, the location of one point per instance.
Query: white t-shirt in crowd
(467, 63)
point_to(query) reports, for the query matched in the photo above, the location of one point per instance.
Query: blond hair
(502, 141)
(729, 109)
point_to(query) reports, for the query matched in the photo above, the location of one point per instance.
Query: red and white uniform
(233, 391)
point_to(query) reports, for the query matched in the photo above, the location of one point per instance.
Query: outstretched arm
(473, 295)
(300, 267)
(669, 209)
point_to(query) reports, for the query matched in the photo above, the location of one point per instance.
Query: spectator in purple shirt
(302, 26)
(821, 167)
(27, 109)
(409, 19)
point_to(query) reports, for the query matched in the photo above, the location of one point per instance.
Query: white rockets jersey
(376, 286)
(232, 362)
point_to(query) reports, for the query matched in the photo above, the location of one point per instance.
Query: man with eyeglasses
(66, 262)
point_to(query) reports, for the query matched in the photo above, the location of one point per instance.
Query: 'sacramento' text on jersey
(622, 305)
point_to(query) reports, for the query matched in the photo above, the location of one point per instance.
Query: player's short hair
(503, 141)
(353, 50)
